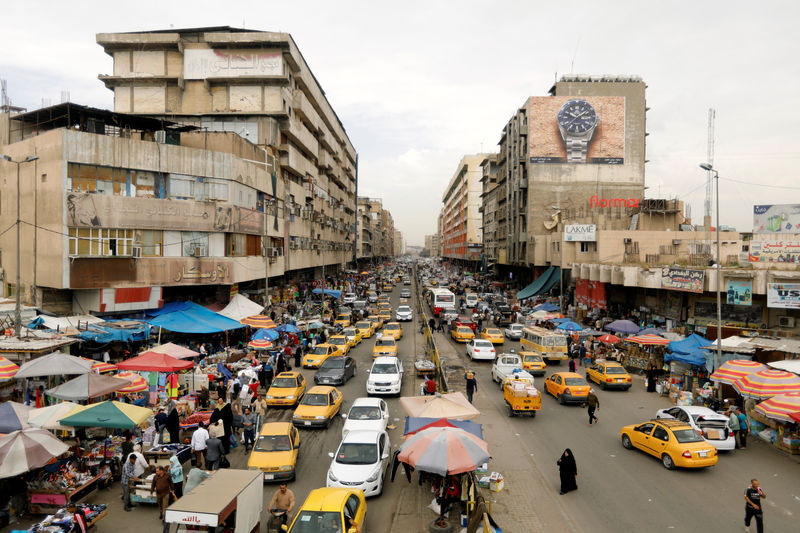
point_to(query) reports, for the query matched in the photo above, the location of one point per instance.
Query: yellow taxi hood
(270, 459)
(310, 411)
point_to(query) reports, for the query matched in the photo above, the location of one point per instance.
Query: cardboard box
(482, 468)
(483, 482)
(496, 486)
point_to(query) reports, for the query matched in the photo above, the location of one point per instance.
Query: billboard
(774, 252)
(783, 295)
(780, 218)
(580, 232)
(572, 129)
(682, 279)
(199, 64)
(740, 292)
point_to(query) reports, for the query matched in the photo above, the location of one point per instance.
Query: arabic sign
(774, 251)
(740, 292)
(580, 232)
(782, 218)
(98, 273)
(207, 63)
(682, 279)
(783, 295)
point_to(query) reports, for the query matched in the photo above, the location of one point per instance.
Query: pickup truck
(513, 331)
(505, 365)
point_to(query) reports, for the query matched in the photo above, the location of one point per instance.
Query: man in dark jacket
(162, 485)
(592, 403)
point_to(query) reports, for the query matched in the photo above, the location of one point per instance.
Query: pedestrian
(214, 451)
(752, 507)
(472, 384)
(568, 471)
(128, 476)
(572, 366)
(176, 473)
(431, 323)
(161, 423)
(583, 354)
(198, 444)
(744, 428)
(162, 486)
(430, 386)
(592, 403)
(298, 356)
(651, 378)
(268, 370)
(733, 425)
(174, 425)
(140, 464)
(249, 426)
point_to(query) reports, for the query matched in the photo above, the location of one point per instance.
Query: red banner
(582, 292)
(592, 294)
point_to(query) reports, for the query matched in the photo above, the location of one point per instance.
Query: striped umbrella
(13, 416)
(780, 407)
(444, 450)
(28, 449)
(260, 344)
(138, 383)
(7, 369)
(736, 369)
(99, 367)
(767, 383)
(259, 321)
(648, 340)
(608, 339)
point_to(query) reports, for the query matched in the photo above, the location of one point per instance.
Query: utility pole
(267, 301)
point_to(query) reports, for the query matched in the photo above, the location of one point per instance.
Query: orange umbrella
(7, 369)
(648, 340)
(736, 369)
(259, 321)
(138, 383)
(780, 407)
(767, 383)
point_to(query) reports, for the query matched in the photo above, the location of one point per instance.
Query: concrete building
(431, 247)
(461, 217)
(399, 243)
(375, 229)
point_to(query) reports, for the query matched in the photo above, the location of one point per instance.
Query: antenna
(572, 63)
(4, 101)
(710, 160)
(64, 96)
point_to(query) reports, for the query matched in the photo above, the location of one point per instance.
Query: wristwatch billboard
(577, 121)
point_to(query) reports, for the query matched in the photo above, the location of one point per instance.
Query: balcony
(306, 111)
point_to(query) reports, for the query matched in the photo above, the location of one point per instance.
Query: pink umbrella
(736, 369)
(444, 451)
(767, 383)
(648, 340)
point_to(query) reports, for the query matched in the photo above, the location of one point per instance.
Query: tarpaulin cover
(105, 332)
(688, 345)
(547, 306)
(189, 317)
(541, 285)
(329, 292)
(695, 358)
(241, 307)
(155, 362)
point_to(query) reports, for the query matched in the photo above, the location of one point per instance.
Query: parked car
(708, 423)
(370, 414)
(385, 376)
(360, 462)
(335, 371)
(674, 442)
(480, 349)
(514, 331)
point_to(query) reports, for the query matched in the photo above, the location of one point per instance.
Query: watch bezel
(572, 102)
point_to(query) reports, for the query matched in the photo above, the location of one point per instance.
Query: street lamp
(17, 305)
(709, 168)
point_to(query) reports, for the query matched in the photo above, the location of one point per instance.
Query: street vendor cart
(520, 396)
(159, 455)
(229, 498)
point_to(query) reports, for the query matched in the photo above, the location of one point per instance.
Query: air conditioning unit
(276, 252)
(676, 242)
(198, 251)
(786, 321)
(626, 241)
(136, 251)
(161, 136)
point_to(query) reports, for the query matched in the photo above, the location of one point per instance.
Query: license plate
(703, 454)
(269, 476)
(619, 381)
(307, 423)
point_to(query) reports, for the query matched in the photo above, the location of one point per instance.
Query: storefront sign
(682, 279)
(774, 251)
(783, 295)
(740, 292)
(580, 233)
(782, 218)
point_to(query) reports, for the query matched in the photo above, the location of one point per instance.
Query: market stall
(775, 423)
(61, 521)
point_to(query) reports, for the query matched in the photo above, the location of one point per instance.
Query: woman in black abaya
(568, 471)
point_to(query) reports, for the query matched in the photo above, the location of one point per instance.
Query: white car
(712, 425)
(406, 281)
(405, 293)
(366, 414)
(349, 298)
(513, 331)
(481, 349)
(360, 462)
(385, 376)
(404, 314)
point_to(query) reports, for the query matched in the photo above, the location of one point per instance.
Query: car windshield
(483, 344)
(687, 435)
(493, 331)
(574, 381)
(403, 309)
(464, 330)
(273, 443)
(615, 370)
(390, 327)
(338, 341)
(350, 332)
(315, 399)
(364, 413)
(384, 368)
(532, 358)
(363, 325)
(317, 522)
(333, 363)
(357, 453)
(284, 383)
(385, 342)
(319, 350)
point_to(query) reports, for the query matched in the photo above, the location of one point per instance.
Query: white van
(471, 300)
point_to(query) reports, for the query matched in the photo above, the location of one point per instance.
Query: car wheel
(626, 442)
(603, 386)
(669, 464)
(510, 410)
(500, 383)
(561, 399)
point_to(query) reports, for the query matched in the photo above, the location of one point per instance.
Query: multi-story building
(376, 230)
(461, 217)
(492, 240)
(431, 248)
(399, 243)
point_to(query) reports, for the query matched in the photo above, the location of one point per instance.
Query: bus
(552, 345)
(440, 300)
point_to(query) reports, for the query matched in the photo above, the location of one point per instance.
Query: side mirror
(385, 456)
(386, 416)
(344, 415)
(330, 454)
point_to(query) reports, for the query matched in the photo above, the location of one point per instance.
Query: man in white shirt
(199, 438)
(141, 464)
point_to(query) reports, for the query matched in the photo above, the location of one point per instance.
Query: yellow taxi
(340, 343)
(384, 346)
(377, 321)
(342, 319)
(462, 334)
(353, 336)
(384, 307)
(383, 298)
(331, 509)
(286, 390)
(317, 355)
(318, 407)
(533, 363)
(493, 334)
(393, 330)
(609, 375)
(365, 329)
(387, 287)
(275, 451)
(567, 387)
(676, 443)
(385, 316)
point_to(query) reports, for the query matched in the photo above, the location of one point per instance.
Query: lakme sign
(580, 232)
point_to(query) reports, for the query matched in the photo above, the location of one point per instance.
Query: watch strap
(576, 150)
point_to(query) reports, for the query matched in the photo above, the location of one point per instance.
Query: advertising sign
(580, 232)
(783, 295)
(572, 129)
(199, 64)
(781, 218)
(740, 292)
(774, 251)
(682, 279)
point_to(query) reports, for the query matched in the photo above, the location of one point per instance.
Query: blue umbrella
(650, 331)
(316, 324)
(549, 307)
(560, 320)
(623, 326)
(569, 326)
(288, 328)
(265, 334)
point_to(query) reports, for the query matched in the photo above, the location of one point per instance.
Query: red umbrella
(260, 344)
(608, 339)
(155, 362)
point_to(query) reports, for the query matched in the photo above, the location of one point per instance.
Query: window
(151, 242)
(97, 242)
(645, 428)
(210, 189)
(180, 186)
(235, 244)
(143, 184)
(253, 244)
(194, 243)
(661, 434)
(588, 247)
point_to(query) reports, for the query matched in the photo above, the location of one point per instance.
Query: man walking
(733, 424)
(199, 438)
(472, 384)
(752, 507)
(127, 477)
(162, 486)
(744, 428)
(249, 425)
(593, 403)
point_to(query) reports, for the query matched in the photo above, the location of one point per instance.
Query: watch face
(577, 116)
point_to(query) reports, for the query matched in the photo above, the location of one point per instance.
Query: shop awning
(542, 284)
(189, 317)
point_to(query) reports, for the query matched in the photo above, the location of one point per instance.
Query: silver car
(513, 331)
(404, 314)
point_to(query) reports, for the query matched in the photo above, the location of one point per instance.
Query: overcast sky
(419, 84)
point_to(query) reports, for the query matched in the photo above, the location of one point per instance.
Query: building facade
(461, 218)
(375, 229)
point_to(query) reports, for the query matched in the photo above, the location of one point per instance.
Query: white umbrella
(27, 449)
(54, 364)
(48, 417)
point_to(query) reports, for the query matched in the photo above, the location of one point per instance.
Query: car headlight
(269, 397)
(286, 468)
(332, 477)
(290, 397)
(319, 417)
(295, 415)
(374, 476)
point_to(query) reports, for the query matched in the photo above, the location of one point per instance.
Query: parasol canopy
(451, 405)
(54, 364)
(13, 416)
(415, 425)
(795, 416)
(174, 350)
(288, 328)
(25, 450)
(622, 326)
(7, 369)
(608, 339)
(736, 369)
(259, 321)
(780, 407)
(138, 383)
(48, 417)
(767, 383)
(260, 344)
(569, 325)
(115, 415)
(155, 362)
(648, 340)
(89, 385)
(266, 334)
(99, 367)
(444, 451)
